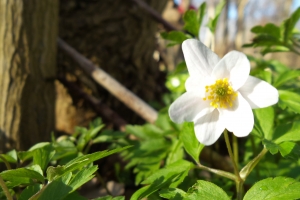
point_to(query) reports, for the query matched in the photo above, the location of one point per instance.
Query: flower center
(220, 94)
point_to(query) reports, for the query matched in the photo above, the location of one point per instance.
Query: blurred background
(43, 89)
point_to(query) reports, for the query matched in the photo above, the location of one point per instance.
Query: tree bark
(28, 32)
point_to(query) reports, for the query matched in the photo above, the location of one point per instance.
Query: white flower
(219, 93)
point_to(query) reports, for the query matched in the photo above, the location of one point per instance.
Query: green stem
(5, 189)
(218, 172)
(235, 149)
(238, 181)
(236, 170)
(250, 166)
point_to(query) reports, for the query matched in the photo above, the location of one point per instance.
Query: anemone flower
(220, 94)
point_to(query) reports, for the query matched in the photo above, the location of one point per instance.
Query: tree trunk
(28, 32)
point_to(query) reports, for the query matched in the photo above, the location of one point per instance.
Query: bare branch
(109, 83)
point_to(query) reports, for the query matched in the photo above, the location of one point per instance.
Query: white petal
(259, 93)
(199, 59)
(209, 128)
(238, 120)
(197, 85)
(235, 66)
(187, 107)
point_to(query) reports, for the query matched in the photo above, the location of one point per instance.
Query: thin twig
(155, 15)
(109, 83)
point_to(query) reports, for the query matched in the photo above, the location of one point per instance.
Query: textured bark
(28, 32)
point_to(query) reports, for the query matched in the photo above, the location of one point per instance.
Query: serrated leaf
(191, 23)
(79, 162)
(268, 29)
(289, 99)
(175, 37)
(174, 168)
(274, 188)
(287, 149)
(286, 76)
(290, 23)
(190, 142)
(287, 132)
(82, 177)
(205, 190)
(172, 193)
(20, 176)
(263, 122)
(173, 173)
(290, 150)
(56, 189)
(176, 153)
(42, 156)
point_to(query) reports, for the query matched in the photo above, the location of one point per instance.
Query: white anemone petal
(259, 93)
(187, 107)
(199, 59)
(235, 66)
(238, 119)
(209, 128)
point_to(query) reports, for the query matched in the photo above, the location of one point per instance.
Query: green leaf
(79, 162)
(287, 149)
(287, 132)
(206, 190)
(201, 13)
(289, 99)
(30, 191)
(75, 196)
(42, 156)
(190, 142)
(290, 23)
(268, 29)
(20, 176)
(172, 193)
(170, 176)
(176, 152)
(82, 177)
(290, 150)
(263, 122)
(286, 76)
(191, 23)
(212, 23)
(175, 37)
(274, 188)
(56, 189)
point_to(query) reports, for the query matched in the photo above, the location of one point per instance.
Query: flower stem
(236, 170)
(218, 172)
(5, 189)
(250, 166)
(235, 148)
(238, 181)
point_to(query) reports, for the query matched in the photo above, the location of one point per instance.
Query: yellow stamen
(221, 94)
